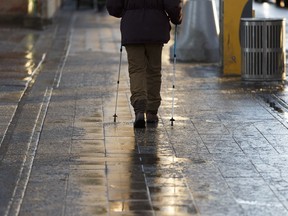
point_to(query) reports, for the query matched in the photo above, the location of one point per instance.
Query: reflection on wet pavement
(227, 147)
(20, 61)
(17, 57)
(135, 173)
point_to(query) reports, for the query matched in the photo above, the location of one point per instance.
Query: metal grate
(263, 49)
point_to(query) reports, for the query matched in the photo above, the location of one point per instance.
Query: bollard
(198, 38)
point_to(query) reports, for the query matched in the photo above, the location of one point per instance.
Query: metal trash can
(263, 49)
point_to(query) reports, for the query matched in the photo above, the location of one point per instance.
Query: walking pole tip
(115, 116)
(172, 121)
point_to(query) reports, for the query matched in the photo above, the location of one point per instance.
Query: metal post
(231, 13)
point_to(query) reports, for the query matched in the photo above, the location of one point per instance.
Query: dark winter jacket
(145, 21)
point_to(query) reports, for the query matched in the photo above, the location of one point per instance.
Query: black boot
(152, 117)
(139, 109)
(139, 120)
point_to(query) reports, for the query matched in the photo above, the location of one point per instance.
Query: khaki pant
(144, 62)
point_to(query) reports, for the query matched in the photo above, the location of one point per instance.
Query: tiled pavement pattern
(19, 59)
(225, 155)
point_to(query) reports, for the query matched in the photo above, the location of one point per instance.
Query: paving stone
(225, 155)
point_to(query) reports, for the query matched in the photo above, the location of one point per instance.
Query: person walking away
(145, 27)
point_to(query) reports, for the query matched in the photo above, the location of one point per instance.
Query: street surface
(270, 10)
(62, 154)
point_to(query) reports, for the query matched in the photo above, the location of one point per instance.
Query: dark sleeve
(174, 10)
(115, 7)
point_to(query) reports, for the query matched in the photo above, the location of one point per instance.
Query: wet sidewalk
(63, 155)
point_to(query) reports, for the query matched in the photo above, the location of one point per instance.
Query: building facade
(28, 13)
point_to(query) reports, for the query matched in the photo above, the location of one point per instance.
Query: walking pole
(118, 82)
(174, 71)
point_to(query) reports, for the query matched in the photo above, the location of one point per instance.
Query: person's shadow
(164, 183)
